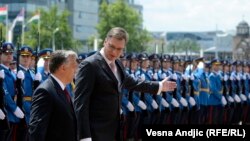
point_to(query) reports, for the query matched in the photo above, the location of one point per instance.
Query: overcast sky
(194, 15)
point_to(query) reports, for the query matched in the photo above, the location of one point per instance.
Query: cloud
(194, 15)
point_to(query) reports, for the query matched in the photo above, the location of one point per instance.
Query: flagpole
(23, 28)
(39, 24)
(7, 25)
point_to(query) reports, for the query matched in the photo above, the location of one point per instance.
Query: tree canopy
(120, 14)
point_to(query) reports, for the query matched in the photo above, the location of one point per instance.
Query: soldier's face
(25, 60)
(7, 58)
(133, 65)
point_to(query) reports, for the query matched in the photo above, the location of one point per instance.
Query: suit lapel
(61, 95)
(106, 67)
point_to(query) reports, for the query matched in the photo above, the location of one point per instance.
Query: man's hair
(59, 58)
(118, 33)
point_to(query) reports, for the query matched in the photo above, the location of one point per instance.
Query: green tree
(121, 14)
(49, 21)
(2, 32)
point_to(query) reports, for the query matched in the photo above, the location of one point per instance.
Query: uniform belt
(27, 98)
(196, 92)
(204, 90)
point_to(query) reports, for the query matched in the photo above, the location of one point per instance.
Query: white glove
(121, 111)
(163, 76)
(231, 78)
(20, 75)
(18, 113)
(185, 77)
(38, 76)
(230, 99)
(2, 115)
(192, 77)
(132, 75)
(155, 76)
(174, 76)
(142, 105)
(130, 107)
(223, 101)
(154, 104)
(2, 74)
(86, 139)
(164, 103)
(243, 97)
(191, 101)
(238, 77)
(143, 77)
(183, 102)
(174, 102)
(244, 76)
(225, 77)
(237, 98)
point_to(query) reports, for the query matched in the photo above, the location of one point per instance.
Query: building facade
(83, 18)
(241, 42)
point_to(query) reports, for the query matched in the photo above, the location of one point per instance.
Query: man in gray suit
(99, 82)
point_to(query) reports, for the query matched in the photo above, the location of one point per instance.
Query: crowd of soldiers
(208, 92)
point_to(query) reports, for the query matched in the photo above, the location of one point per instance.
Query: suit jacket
(98, 97)
(52, 116)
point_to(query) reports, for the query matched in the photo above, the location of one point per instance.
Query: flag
(20, 16)
(3, 13)
(36, 17)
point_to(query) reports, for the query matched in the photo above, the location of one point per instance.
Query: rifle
(19, 89)
(36, 82)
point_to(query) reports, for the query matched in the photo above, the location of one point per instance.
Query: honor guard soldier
(144, 74)
(45, 55)
(203, 93)
(25, 61)
(14, 113)
(134, 119)
(194, 83)
(236, 90)
(226, 84)
(165, 71)
(216, 101)
(245, 91)
(154, 58)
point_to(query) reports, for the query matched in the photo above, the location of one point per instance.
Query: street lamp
(53, 38)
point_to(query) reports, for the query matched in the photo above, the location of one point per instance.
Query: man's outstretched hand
(168, 85)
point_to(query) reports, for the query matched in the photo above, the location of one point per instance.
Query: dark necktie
(67, 95)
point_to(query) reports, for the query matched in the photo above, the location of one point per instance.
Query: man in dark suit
(99, 82)
(52, 113)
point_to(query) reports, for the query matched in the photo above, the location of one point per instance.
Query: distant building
(212, 43)
(241, 42)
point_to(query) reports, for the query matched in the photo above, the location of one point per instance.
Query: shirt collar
(5, 66)
(23, 67)
(58, 81)
(105, 58)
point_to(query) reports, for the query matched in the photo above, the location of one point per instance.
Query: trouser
(184, 115)
(175, 115)
(4, 129)
(194, 115)
(237, 115)
(203, 114)
(18, 132)
(215, 114)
